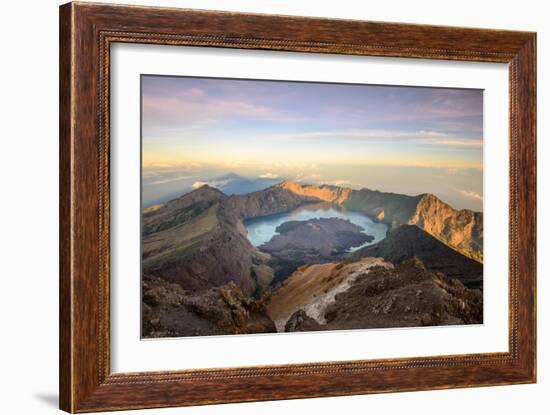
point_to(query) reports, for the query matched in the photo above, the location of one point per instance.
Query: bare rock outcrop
(171, 311)
(407, 295)
(313, 287)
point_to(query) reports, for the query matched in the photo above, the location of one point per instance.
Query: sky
(391, 138)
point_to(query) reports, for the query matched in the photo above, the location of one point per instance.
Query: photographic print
(284, 206)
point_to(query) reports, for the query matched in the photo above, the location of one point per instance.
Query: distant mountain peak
(230, 175)
(203, 194)
(206, 191)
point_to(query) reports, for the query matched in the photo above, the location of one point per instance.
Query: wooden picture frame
(86, 33)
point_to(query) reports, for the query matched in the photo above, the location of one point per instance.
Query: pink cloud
(194, 105)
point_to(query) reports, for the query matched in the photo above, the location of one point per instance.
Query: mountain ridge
(196, 242)
(462, 229)
(199, 241)
(202, 276)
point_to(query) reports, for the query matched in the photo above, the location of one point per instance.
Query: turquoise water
(262, 229)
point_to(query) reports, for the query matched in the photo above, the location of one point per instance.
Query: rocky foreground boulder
(170, 311)
(370, 293)
(313, 287)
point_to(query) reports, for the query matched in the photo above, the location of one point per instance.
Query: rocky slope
(324, 192)
(275, 199)
(393, 209)
(460, 229)
(170, 311)
(372, 293)
(196, 242)
(409, 241)
(313, 287)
